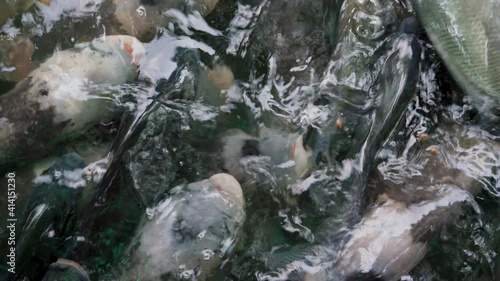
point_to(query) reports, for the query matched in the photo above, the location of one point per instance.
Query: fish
(288, 158)
(26, 176)
(71, 91)
(466, 36)
(213, 84)
(393, 235)
(66, 270)
(189, 232)
(361, 113)
(47, 219)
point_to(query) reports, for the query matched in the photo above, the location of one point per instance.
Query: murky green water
(357, 155)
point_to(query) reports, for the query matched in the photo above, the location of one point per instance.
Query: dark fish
(392, 236)
(47, 224)
(66, 270)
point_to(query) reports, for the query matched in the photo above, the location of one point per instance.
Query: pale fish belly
(71, 91)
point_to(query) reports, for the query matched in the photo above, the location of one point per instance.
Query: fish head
(236, 144)
(228, 185)
(127, 47)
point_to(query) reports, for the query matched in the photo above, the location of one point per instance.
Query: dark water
(357, 82)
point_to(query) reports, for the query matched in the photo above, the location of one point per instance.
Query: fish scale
(466, 36)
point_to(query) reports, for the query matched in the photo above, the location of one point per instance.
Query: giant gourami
(467, 36)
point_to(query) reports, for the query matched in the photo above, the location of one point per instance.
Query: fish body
(26, 176)
(362, 112)
(65, 95)
(365, 86)
(466, 35)
(66, 270)
(393, 235)
(273, 162)
(190, 233)
(284, 149)
(47, 218)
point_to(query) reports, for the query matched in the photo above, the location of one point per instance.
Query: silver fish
(190, 232)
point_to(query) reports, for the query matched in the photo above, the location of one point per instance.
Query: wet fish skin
(466, 36)
(399, 249)
(331, 19)
(190, 232)
(349, 91)
(63, 96)
(65, 270)
(281, 147)
(236, 144)
(392, 236)
(135, 24)
(47, 219)
(25, 176)
(367, 89)
(369, 128)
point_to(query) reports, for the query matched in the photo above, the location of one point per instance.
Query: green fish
(467, 36)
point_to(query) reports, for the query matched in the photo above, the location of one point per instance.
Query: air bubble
(141, 11)
(57, 175)
(187, 274)
(202, 235)
(150, 214)
(207, 254)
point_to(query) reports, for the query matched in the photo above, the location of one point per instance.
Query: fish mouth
(227, 184)
(122, 45)
(135, 57)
